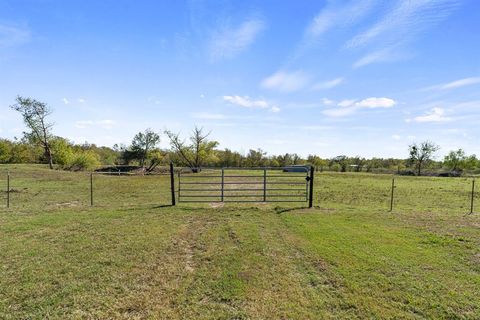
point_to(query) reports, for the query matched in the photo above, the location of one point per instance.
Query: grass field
(132, 256)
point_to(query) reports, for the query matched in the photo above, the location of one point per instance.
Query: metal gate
(272, 184)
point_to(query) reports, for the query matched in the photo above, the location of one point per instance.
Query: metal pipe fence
(57, 189)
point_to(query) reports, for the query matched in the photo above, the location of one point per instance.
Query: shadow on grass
(163, 206)
(279, 210)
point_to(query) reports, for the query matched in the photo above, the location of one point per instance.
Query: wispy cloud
(349, 107)
(434, 115)
(12, 36)
(455, 84)
(406, 19)
(328, 84)
(65, 101)
(399, 26)
(154, 100)
(228, 42)
(286, 81)
(335, 15)
(247, 102)
(390, 53)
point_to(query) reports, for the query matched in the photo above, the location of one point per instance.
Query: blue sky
(363, 77)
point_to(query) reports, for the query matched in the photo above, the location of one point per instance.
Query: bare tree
(422, 154)
(34, 115)
(195, 154)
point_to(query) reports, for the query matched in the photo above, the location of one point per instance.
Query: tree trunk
(48, 154)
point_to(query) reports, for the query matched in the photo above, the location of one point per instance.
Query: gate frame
(310, 174)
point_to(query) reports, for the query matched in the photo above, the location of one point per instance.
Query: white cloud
(208, 116)
(202, 96)
(285, 81)
(328, 84)
(81, 100)
(104, 124)
(65, 101)
(275, 109)
(396, 137)
(456, 84)
(12, 36)
(349, 107)
(247, 102)
(346, 103)
(229, 42)
(327, 102)
(373, 103)
(434, 115)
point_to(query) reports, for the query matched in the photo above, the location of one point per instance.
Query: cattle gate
(265, 184)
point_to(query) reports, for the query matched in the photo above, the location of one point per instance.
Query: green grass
(133, 257)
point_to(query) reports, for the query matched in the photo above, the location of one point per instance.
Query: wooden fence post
(172, 184)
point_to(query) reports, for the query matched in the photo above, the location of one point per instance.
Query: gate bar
(310, 200)
(264, 184)
(223, 181)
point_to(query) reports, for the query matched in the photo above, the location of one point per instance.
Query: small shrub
(84, 160)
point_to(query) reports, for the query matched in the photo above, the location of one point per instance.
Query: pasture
(133, 256)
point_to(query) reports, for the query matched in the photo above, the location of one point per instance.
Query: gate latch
(308, 178)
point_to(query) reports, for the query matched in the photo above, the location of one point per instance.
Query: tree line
(39, 145)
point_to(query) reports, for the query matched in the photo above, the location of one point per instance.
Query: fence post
(172, 183)
(310, 198)
(223, 181)
(8, 189)
(391, 198)
(473, 196)
(264, 184)
(91, 189)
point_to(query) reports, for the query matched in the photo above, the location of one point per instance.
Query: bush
(62, 152)
(84, 160)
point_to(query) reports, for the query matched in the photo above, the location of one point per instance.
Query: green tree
(341, 161)
(143, 143)
(457, 160)
(421, 155)
(255, 158)
(62, 151)
(5, 151)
